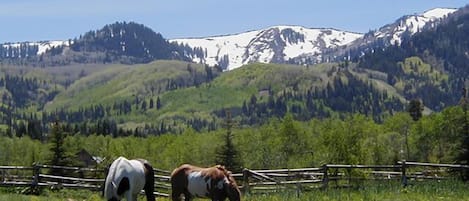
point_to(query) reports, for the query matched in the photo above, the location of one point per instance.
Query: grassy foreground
(432, 191)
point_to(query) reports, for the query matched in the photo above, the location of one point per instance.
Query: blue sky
(34, 20)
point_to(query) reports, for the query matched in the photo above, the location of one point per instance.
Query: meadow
(449, 190)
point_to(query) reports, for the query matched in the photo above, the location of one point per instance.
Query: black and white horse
(126, 178)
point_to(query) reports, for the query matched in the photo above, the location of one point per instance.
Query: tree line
(280, 143)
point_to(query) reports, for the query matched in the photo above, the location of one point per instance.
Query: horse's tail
(149, 182)
(103, 187)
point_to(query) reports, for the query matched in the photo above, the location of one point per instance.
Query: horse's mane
(227, 173)
(223, 169)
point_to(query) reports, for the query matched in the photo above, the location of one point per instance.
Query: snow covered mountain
(296, 44)
(410, 25)
(275, 44)
(391, 34)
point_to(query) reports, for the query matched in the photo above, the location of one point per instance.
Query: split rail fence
(249, 181)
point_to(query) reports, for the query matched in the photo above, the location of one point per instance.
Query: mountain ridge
(293, 44)
(392, 33)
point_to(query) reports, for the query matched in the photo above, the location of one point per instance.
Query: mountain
(407, 26)
(390, 34)
(121, 42)
(300, 45)
(432, 65)
(277, 44)
(125, 39)
(134, 43)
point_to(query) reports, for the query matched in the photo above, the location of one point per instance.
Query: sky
(38, 20)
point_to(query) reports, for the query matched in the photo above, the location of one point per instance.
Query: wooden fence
(35, 176)
(338, 176)
(250, 181)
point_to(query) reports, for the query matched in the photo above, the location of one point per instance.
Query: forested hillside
(120, 42)
(170, 96)
(432, 65)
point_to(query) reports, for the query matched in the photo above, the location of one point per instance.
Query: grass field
(430, 191)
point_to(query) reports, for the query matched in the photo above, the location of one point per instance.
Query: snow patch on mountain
(42, 46)
(218, 46)
(438, 13)
(275, 44)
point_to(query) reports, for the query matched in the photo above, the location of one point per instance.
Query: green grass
(274, 76)
(121, 82)
(14, 194)
(428, 191)
(418, 66)
(420, 72)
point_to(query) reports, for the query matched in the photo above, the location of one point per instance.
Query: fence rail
(251, 181)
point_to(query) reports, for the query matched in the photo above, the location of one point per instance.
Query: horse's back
(186, 169)
(129, 167)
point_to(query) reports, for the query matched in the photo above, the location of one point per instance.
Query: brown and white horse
(215, 183)
(126, 178)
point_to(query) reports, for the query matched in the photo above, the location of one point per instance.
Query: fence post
(325, 177)
(36, 171)
(3, 175)
(298, 185)
(349, 172)
(246, 175)
(404, 176)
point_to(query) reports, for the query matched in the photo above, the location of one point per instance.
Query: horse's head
(231, 189)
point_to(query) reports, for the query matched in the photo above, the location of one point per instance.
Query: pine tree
(415, 109)
(152, 103)
(158, 103)
(227, 154)
(144, 105)
(9, 118)
(59, 155)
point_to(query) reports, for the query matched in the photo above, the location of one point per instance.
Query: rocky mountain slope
(277, 44)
